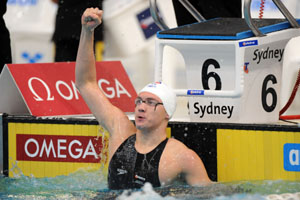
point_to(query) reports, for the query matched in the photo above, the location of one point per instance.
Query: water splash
(104, 136)
(15, 170)
(147, 192)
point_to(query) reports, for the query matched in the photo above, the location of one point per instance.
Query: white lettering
(47, 149)
(36, 96)
(120, 86)
(26, 148)
(79, 151)
(58, 83)
(110, 89)
(59, 148)
(75, 90)
(110, 92)
(294, 157)
(92, 152)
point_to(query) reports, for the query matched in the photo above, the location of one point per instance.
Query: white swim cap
(166, 94)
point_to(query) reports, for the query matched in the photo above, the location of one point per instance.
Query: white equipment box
(233, 66)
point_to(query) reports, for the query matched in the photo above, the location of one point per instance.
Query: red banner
(54, 148)
(49, 88)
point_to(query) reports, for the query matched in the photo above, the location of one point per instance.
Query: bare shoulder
(179, 159)
(175, 144)
(186, 157)
(179, 149)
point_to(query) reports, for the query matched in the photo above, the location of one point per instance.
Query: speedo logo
(121, 171)
(265, 54)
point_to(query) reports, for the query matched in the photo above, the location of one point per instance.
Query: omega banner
(49, 149)
(58, 148)
(48, 89)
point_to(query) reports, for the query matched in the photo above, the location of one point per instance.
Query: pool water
(79, 185)
(93, 185)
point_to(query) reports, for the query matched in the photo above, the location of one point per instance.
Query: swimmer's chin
(140, 127)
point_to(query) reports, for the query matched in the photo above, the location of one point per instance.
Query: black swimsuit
(130, 169)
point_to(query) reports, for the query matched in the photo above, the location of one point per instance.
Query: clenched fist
(91, 18)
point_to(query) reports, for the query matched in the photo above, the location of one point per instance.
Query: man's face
(149, 111)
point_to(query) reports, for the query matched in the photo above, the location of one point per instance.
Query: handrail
(160, 22)
(155, 15)
(286, 13)
(249, 21)
(192, 10)
(281, 7)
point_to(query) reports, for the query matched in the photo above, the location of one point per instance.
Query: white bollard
(31, 25)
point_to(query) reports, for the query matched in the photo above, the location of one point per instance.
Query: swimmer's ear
(167, 116)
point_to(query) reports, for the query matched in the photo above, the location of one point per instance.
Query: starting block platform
(223, 29)
(233, 76)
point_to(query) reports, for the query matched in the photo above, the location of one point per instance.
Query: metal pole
(155, 15)
(286, 13)
(281, 7)
(249, 21)
(192, 10)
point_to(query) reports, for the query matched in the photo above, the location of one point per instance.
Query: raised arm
(85, 61)
(109, 116)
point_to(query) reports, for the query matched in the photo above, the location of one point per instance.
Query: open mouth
(140, 117)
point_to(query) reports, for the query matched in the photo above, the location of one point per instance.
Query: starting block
(233, 66)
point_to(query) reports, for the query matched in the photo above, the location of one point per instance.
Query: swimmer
(138, 153)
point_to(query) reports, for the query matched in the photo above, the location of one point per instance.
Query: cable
(292, 122)
(261, 10)
(292, 97)
(289, 117)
